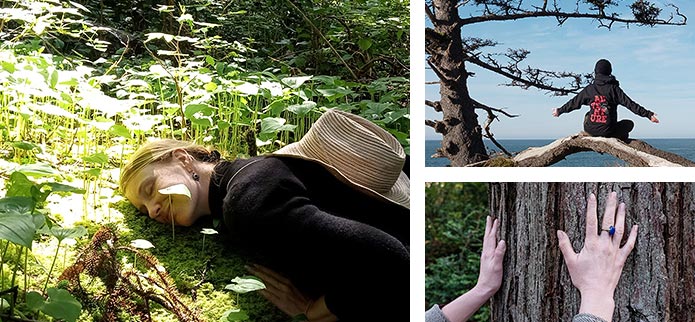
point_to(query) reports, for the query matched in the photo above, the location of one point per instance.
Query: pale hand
(556, 112)
(280, 291)
(490, 278)
(596, 270)
(654, 119)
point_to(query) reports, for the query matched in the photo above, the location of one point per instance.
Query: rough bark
(658, 280)
(636, 153)
(462, 140)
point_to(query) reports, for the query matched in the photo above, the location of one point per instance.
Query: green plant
(241, 285)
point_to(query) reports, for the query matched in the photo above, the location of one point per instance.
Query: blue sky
(655, 67)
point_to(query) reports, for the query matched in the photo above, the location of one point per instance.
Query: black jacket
(295, 217)
(603, 97)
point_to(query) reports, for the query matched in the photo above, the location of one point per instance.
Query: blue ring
(611, 231)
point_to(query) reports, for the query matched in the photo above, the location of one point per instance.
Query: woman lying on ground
(328, 215)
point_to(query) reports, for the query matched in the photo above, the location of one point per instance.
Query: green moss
(199, 276)
(501, 162)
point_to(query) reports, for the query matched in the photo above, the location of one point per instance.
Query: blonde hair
(161, 150)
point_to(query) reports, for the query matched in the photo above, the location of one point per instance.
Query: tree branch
(526, 83)
(562, 16)
(435, 105)
(635, 153)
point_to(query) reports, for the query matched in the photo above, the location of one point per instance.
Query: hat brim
(399, 193)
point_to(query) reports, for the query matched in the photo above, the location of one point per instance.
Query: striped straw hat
(357, 152)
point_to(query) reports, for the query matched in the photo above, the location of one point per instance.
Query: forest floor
(199, 267)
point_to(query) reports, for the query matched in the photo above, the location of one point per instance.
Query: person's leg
(622, 129)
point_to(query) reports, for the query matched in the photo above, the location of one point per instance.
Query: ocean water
(682, 147)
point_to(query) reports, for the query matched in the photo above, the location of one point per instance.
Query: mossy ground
(200, 275)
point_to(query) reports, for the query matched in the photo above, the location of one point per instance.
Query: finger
(492, 238)
(609, 213)
(486, 237)
(272, 283)
(271, 273)
(501, 249)
(619, 225)
(565, 247)
(591, 221)
(630, 244)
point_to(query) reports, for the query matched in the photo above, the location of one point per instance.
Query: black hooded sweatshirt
(603, 97)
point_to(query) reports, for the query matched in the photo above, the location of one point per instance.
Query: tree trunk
(658, 280)
(462, 142)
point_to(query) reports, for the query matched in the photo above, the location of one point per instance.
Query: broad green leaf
(295, 82)
(8, 66)
(210, 87)
(59, 187)
(245, 284)
(191, 109)
(19, 185)
(177, 189)
(17, 204)
(17, 228)
(234, 315)
(120, 130)
(62, 305)
(274, 125)
(28, 146)
(92, 173)
(54, 79)
(99, 158)
(39, 221)
(158, 35)
(210, 60)
(276, 107)
(141, 243)
(38, 170)
(35, 301)
(334, 93)
(61, 233)
(302, 109)
(364, 43)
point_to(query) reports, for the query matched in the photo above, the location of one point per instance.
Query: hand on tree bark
(595, 271)
(489, 280)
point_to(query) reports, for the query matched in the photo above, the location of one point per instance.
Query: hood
(600, 79)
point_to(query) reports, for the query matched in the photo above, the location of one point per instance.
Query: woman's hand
(489, 280)
(490, 277)
(556, 112)
(282, 293)
(654, 119)
(596, 270)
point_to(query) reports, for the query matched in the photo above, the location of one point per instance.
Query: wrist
(598, 303)
(483, 291)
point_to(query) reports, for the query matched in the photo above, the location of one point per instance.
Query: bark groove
(658, 280)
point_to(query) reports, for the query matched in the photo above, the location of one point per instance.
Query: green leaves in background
(60, 304)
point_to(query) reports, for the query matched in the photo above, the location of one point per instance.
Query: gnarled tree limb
(635, 153)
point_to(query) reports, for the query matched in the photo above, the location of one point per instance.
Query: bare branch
(506, 16)
(517, 80)
(435, 105)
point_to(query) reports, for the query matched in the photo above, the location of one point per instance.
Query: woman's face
(143, 192)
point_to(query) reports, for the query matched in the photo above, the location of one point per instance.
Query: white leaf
(177, 189)
(141, 243)
(245, 284)
(208, 231)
